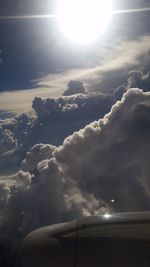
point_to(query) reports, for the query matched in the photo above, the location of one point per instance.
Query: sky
(35, 56)
(74, 119)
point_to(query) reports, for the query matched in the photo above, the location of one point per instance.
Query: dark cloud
(38, 153)
(136, 79)
(14, 134)
(118, 92)
(139, 79)
(59, 118)
(53, 122)
(74, 87)
(76, 107)
(8, 143)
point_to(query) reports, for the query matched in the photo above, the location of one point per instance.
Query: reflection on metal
(107, 215)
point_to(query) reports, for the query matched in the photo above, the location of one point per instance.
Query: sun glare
(83, 21)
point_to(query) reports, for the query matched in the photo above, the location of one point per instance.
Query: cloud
(6, 114)
(14, 134)
(125, 56)
(119, 91)
(53, 121)
(38, 153)
(8, 148)
(77, 107)
(74, 87)
(118, 60)
(8, 143)
(108, 159)
(136, 79)
(27, 204)
(139, 79)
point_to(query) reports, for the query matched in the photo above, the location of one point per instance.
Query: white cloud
(109, 158)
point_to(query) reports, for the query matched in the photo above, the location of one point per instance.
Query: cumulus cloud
(119, 91)
(107, 160)
(139, 79)
(136, 79)
(77, 107)
(14, 134)
(38, 153)
(53, 198)
(53, 121)
(7, 143)
(74, 87)
(8, 148)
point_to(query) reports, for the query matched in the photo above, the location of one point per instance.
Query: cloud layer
(103, 167)
(53, 121)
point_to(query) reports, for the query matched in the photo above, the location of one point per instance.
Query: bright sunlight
(83, 21)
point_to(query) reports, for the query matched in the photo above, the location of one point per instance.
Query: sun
(83, 21)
